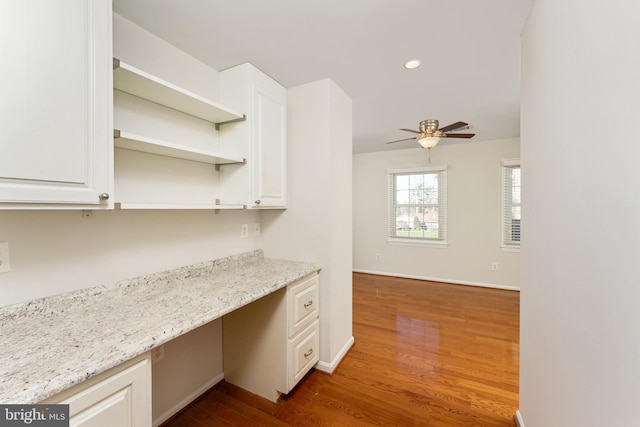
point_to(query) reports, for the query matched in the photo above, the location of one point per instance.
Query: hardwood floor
(425, 354)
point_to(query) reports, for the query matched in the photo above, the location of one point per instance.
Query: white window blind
(418, 204)
(511, 202)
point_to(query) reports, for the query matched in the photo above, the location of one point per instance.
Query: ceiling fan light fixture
(410, 65)
(429, 141)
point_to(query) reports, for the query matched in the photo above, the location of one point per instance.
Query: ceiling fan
(430, 134)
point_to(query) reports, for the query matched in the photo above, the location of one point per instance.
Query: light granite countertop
(51, 344)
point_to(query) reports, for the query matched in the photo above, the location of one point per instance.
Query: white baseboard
(519, 419)
(438, 279)
(331, 366)
(184, 402)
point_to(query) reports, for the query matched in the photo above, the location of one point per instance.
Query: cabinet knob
(257, 202)
(308, 353)
(104, 196)
(308, 304)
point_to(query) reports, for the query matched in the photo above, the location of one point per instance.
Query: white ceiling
(470, 52)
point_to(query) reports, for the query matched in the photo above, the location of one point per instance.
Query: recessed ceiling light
(410, 65)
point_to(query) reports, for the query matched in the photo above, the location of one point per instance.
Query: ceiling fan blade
(459, 135)
(410, 130)
(452, 126)
(400, 140)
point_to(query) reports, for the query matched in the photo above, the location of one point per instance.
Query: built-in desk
(54, 343)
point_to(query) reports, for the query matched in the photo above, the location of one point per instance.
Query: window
(417, 205)
(511, 203)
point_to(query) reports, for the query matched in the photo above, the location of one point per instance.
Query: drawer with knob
(303, 304)
(303, 353)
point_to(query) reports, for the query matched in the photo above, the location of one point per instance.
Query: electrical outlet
(157, 354)
(256, 229)
(494, 266)
(378, 257)
(5, 265)
(244, 231)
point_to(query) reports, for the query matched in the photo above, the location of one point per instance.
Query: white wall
(317, 224)
(59, 251)
(580, 344)
(192, 364)
(474, 207)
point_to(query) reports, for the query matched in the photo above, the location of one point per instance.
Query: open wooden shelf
(145, 144)
(127, 206)
(136, 82)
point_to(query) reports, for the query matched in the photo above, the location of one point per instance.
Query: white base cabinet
(119, 397)
(270, 344)
(262, 139)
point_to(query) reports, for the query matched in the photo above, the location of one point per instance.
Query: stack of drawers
(303, 326)
(270, 344)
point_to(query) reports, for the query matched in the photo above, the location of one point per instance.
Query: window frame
(507, 243)
(392, 238)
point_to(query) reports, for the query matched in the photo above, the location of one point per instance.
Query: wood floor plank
(425, 354)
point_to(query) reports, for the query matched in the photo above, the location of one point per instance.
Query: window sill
(510, 248)
(441, 244)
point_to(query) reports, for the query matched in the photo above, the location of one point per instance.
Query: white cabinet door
(120, 397)
(270, 143)
(56, 83)
(262, 138)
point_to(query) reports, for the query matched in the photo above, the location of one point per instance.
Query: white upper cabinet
(56, 144)
(262, 138)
